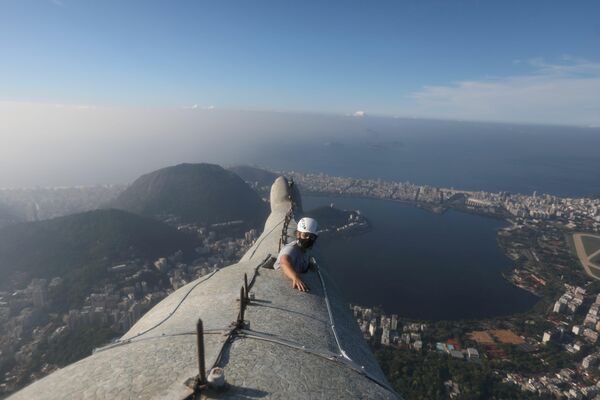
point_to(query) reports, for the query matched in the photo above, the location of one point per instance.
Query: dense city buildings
(579, 213)
(578, 380)
(559, 362)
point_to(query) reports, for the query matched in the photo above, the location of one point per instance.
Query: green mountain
(200, 193)
(80, 247)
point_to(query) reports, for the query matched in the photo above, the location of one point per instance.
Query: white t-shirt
(300, 258)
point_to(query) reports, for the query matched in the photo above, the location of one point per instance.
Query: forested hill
(199, 193)
(80, 247)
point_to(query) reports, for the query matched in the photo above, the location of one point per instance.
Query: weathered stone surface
(147, 369)
(256, 369)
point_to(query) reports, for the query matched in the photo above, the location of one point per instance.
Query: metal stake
(200, 342)
(246, 287)
(242, 307)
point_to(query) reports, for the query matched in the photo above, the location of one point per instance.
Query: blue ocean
(563, 161)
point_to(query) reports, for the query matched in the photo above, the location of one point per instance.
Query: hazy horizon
(69, 145)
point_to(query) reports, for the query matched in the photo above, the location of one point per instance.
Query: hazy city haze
(58, 145)
(49, 144)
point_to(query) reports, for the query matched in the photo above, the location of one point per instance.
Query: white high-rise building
(394, 324)
(385, 337)
(372, 328)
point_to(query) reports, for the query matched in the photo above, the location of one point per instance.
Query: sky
(509, 61)
(102, 91)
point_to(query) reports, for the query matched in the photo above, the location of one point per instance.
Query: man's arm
(288, 269)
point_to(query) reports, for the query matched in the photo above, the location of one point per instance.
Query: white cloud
(555, 93)
(198, 107)
(359, 114)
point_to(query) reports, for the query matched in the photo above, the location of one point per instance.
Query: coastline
(427, 206)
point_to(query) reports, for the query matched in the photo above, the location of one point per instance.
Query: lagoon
(419, 264)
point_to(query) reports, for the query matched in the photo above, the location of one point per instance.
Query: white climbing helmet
(308, 225)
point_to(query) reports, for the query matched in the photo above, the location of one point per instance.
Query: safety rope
(125, 341)
(330, 314)
(161, 336)
(264, 236)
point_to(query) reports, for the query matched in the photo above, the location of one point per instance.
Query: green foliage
(591, 244)
(443, 330)
(6, 364)
(80, 247)
(551, 357)
(74, 345)
(531, 330)
(420, 376)
(593, 287)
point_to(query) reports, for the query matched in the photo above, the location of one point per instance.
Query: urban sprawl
(560, 335)
(581, 213)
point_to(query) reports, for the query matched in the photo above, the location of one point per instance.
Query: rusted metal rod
(200, 343)
(242, 308)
